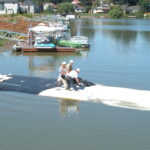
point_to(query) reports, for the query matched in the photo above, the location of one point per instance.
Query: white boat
(58, 26)
(43, 42)
(83, 40)
(17, 47)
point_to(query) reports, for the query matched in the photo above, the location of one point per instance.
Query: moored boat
(17, 47)
(30, 48)
(68, 43)
(83, 40)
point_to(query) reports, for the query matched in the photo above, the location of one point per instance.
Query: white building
(8, 6)
(79, 9)
(27, 7)
(47, 6)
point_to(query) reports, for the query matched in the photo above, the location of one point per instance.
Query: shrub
(65, 8)
(115, 12)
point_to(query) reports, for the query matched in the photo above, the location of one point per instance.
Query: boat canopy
(42, 29)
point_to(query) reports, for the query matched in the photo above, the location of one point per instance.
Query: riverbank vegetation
(3, 42)
(115, 12)
(115, 8)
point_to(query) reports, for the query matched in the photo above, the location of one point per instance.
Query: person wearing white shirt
(61, 78)
(71, 77)
(70, 65)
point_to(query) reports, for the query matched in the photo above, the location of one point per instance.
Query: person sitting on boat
(72, 78)
(62, 75)
(70, 65)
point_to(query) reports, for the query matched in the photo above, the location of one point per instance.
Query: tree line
(89, 4)
(96, 2)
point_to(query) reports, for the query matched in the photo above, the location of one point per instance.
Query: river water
(118, 57)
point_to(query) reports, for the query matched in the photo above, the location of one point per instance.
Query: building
(27, 7)
(133, 9)
(124, 8)
(75, 2)
(130, 9)
(80, 9)
(9, 6)
(101, 9)
(48, 6)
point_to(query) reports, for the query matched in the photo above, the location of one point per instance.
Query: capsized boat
(114, 96)
(39, 86)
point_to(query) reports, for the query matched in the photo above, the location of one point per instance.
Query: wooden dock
(31, 48)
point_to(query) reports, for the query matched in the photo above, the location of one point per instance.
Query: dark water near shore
(119, 56)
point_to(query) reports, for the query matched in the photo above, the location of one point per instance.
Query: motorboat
(44, 45)
(17, 47)
(83, 40)
(44, 42)
(69, 43)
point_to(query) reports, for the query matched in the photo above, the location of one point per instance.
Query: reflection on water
(44, 63)
(146, 35)
(68, 107)
(122, 36)
(41, 63)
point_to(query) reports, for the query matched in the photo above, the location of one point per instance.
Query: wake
(114, 96)
(123, 97)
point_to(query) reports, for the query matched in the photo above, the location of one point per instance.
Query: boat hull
(25, 84)
(42, 86)
(66, 43)
(56, 49)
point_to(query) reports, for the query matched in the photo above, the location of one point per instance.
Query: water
(118, 57)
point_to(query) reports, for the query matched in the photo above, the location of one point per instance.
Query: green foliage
(3, 42)
(87, 8)
(65, 8)
(28, 15)
(115, 12)
(48, 12)
(121, 2)
(96, 3)
(139, 14)
(145, 5)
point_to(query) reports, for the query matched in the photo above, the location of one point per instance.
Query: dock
(30, 48)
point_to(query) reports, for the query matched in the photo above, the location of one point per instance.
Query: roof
(80, 7)
(124, 7)
(28, 2)
(9, 1)
(75, 2)
(131, 8)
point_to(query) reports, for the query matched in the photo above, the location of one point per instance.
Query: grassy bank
(15, 17)
(3, 42)
(91, 15)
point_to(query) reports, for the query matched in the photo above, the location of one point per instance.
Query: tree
(145, 5)
(115, 12)
(121, 2)
(65, 8)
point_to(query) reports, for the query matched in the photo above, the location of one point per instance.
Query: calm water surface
(119, 56)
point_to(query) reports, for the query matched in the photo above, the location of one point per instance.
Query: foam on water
(4, 77)
(114, 96)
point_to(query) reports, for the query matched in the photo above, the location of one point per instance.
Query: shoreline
(7, 46)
